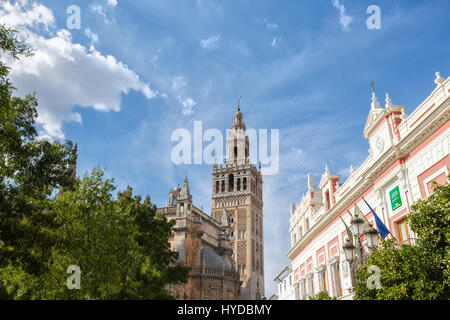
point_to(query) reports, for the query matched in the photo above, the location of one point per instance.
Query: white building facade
(407, 153)
(285, 285)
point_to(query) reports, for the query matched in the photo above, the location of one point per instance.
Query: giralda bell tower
(237, 192)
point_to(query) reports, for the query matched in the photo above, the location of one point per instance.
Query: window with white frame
(337, 290)
(322, 278)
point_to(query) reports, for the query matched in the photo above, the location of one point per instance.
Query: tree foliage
(323, 295)
(50, 219)
(419, 272)
(30, 170)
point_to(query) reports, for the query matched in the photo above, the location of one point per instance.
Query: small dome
(212, 260)
(238, 123)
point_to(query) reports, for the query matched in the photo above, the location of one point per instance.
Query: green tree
(323, 295)
(30, 170)
(419, 272)
(430, 219)
(159, 261)
(49, 219)
(94, 234)
(121, 247)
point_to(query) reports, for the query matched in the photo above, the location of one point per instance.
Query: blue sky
(137, 70)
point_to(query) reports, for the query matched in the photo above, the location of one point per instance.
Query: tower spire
(327, 170)
(388, 101)
(238, 123)
(375, 103)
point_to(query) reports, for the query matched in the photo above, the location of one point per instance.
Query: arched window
(217, 187)
(235, 152)
(231, 182)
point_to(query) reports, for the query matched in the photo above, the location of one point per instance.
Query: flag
(349, 233)
(382, 229)
(365, 226)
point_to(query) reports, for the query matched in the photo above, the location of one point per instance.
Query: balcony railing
(215, 272)
(408, 242)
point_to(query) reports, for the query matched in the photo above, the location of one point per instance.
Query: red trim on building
(302, 269)
(369, 190)
(379, 123)
(444, 162)
(309, 265)
(332, 243)
(428, 140)
(319, 253)
(432, 106)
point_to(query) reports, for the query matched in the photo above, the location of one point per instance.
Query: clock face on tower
(379, 143)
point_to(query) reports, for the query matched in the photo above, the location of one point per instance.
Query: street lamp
(349, 251)
(372, 237)
(355, 254)
(357, 225)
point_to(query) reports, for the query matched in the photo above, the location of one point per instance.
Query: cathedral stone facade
(225, 250)
(204, 245)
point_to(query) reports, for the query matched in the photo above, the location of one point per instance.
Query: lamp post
(355, 255)
(371, 235)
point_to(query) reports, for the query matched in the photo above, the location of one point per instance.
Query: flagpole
(374, 218)
(350, 220)
(349, 213)
(379, 237)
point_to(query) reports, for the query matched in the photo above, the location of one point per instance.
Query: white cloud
(344, 19)
(112, 3)
(178, 82)
(99, 10)
(188, 104)
(275, 41)
(178, 86)
(65, 74)
(93, 36)
(211, 42)
(37, 15)
(154, 58)
(272, 27)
